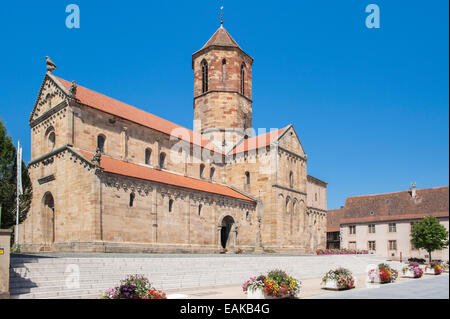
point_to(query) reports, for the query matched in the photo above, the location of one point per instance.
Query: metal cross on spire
(221, 16)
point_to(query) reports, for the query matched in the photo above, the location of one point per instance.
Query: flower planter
(259, 294)
(408, 274)
(430, 271)
(333, 285)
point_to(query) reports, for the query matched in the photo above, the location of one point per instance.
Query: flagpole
(17, 192)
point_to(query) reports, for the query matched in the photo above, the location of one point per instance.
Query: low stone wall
(5, 240)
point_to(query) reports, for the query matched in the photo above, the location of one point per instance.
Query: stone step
(45, 277)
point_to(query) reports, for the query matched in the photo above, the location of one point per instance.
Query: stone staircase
(46, 277)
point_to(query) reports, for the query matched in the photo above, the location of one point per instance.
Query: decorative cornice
(316, 180)
(289, 189)
(49, 113)
(221, 91)
(220, 47)
(48, 155)
(305, 158)
(317, 209)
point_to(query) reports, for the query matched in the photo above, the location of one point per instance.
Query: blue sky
(371, 106)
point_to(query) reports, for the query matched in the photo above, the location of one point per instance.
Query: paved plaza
(429, 287)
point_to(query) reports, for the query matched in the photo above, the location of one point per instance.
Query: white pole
(17, 192)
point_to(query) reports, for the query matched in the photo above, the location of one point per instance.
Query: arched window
(204, 76)
(316, 196)
(101, 139)
(202, 169)
(211, 173)
(224, 70)
(199, 209)
(247, 178)
(248, 216)
(132, 196)
(291, 179)
(51, 138)
(170, 205)
(162, 159)
(243, 78)
(51, 141)
(148, 154)
(288, 200)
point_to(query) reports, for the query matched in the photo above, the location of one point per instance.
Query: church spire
(221, 16)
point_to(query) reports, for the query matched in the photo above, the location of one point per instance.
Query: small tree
(429, 234)
(8, 182)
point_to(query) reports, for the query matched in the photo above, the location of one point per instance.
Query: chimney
(413, 190)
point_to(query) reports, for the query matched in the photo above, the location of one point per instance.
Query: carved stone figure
(50, 65)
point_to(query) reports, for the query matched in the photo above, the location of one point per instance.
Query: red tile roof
(109, 105)
(257, 142)
(390, 218)
(147, 173)
(391, 206)
(222, 38)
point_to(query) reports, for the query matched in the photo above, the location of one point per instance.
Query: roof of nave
(117, 108)
(258, 142)
(119, 167)
(114, 107)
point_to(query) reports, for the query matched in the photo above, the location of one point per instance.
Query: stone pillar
(155, 214)
(124, 143)
(5, 242)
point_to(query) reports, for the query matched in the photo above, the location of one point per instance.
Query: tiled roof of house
(391, 206)
(257, 142)
(133, 114)
(119, 167)
(333, 219)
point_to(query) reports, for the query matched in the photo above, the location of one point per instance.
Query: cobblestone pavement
(430, 287)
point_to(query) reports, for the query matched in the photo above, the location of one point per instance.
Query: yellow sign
(2, 251)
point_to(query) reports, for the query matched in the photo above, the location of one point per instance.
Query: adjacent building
(382, 223)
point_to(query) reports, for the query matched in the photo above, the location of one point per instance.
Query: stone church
(109, 177)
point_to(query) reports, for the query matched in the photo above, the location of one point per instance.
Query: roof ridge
(189, 182)
(398, 192)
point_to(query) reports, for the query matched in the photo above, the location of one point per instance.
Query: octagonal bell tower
(222, 90)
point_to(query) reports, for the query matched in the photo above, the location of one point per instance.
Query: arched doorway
(227, 224)
(48, 219)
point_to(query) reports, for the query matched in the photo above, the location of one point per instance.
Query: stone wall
(5, 242)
